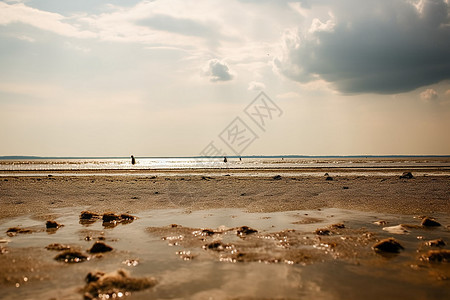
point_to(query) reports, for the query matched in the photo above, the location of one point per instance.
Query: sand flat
(295, 217)
(24, 195)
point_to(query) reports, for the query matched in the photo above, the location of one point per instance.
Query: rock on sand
(389, 245)
(429, 222)
(100, 247)
(406, 175)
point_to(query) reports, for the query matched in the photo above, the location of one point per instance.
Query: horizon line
(6, 157)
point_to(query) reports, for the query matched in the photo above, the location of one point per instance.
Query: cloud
(429, 94)
(146, 22)
(256, 86)
(217, 70)
(198, 29)
(375, 46)
(53, 22)
(178, 25)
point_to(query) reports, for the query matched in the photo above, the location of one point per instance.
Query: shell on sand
(398, 229)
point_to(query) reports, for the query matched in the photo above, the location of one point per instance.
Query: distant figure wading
(133, 161)
(225, 159)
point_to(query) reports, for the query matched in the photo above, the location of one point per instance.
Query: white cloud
(318, 26)
(429, 94)
(246, 33)
(256, 86)
(53, 22)
(218, 70)
(161, 23)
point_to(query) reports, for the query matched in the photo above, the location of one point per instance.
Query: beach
(225, 234)
(225, 150)
(36, 195)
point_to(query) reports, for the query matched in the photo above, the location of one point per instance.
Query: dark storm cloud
(380, 46)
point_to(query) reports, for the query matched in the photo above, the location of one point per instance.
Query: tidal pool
(286, 258)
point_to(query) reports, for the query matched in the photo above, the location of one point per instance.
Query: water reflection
(187, 270)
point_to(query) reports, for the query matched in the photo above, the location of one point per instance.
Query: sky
(236, 77)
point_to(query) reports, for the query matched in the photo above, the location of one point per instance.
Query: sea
(306, 165)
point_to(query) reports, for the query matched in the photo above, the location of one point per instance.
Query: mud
(287, 246)
(109, 219)
(18, 230)
(436, 243)
(442, 255)
(58, 247)
(71, 256)
(224, 253)
(114, 285)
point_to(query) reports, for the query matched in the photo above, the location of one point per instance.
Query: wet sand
(297, 225)
(36, 195)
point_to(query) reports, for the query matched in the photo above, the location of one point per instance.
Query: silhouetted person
(225, 159)
(133, 161)
(240, 158)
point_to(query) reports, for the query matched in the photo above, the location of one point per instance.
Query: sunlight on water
(218, 163)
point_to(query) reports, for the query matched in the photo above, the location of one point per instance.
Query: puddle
(336, 265)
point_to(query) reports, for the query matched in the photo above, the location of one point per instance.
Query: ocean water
(246, 163)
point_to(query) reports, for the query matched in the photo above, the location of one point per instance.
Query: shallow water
(328, 275)
(261, 163)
